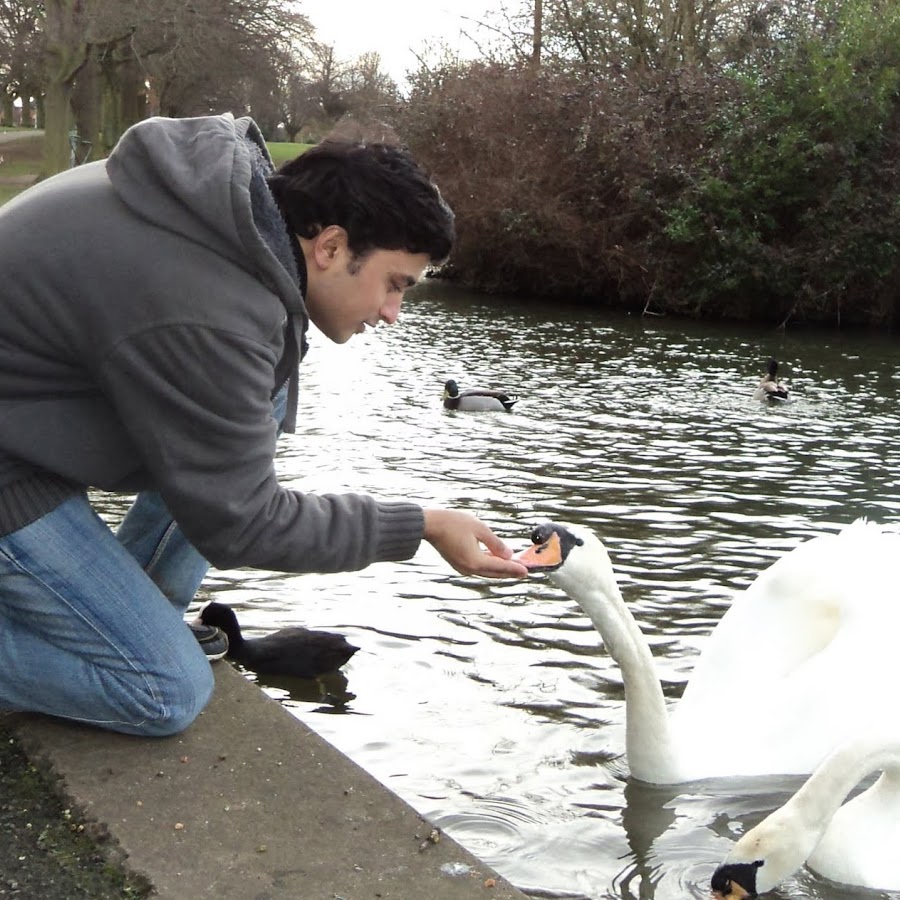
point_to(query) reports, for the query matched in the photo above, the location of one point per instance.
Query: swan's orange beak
(542, 556)
(726, 881)
(735, 892)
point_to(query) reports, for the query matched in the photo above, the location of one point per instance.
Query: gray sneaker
(213, 640)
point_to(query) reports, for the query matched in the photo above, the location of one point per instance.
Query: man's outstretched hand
(469, 545)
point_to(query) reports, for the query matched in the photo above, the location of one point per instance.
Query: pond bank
(249, 802)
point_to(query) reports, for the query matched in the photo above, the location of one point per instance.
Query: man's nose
(390, 312)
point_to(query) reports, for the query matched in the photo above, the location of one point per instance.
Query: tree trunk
(56, 128)
(85, 100)
(65, 53)
(27, 118)
(7, 116)
(131, 106)
(537, 37)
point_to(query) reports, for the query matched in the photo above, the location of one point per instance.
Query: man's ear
(329, 244)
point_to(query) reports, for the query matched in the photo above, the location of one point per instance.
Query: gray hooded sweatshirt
(149, 311)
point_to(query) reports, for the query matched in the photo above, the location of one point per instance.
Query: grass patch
(8, 191)
(282, 151)
(21, 164)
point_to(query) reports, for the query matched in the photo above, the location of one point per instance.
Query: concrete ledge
(251, 804)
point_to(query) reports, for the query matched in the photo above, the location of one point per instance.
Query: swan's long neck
(827, 788)
(652, 755)
(784, 840)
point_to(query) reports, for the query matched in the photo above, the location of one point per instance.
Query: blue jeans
(92, 623)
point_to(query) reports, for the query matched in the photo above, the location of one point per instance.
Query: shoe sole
(215, 638)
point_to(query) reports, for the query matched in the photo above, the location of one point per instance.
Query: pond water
(491, 706)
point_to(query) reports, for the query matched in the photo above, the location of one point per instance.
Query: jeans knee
(173, 708)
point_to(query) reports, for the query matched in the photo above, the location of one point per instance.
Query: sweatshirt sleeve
(195, 400)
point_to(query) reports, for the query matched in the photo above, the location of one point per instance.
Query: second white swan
(854, 843)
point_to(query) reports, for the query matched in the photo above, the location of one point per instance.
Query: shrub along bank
(763, 188)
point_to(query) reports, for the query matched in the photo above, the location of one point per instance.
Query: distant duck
(770, 389)
(853, 843)
(476, 399)
(295, 651)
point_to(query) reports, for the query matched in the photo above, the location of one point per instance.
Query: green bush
(766, 188)
(794, 209)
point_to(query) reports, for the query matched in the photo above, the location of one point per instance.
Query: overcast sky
(394, 28)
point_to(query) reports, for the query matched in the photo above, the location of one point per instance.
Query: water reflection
(491, 706)
(329, 691)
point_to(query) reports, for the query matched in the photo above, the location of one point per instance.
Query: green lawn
(7, 192)
(283, 151)
(20, 163)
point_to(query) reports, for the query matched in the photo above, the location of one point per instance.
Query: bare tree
(306, 87)
(205, 56)
(367, 88)
(74, 30)
(100, 56)
(596, 34)
(20, 48)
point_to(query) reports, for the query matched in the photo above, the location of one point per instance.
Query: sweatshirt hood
(204, 179)
(193, 176)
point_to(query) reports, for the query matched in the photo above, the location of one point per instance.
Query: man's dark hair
(376, 192)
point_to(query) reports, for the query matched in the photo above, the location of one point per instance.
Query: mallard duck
(296, 651)
(854, 843)
(476, 399)
(770, 389)
(803, 658)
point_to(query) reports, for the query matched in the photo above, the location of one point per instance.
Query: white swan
(855, 844)
(803, 659)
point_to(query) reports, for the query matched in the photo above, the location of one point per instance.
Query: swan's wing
(787, 615)
(805, 653)
(860, 845)
(791, 724)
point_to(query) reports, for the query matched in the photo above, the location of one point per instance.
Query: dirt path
(9, 136)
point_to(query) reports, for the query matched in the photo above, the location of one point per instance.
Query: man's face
(346, 293)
